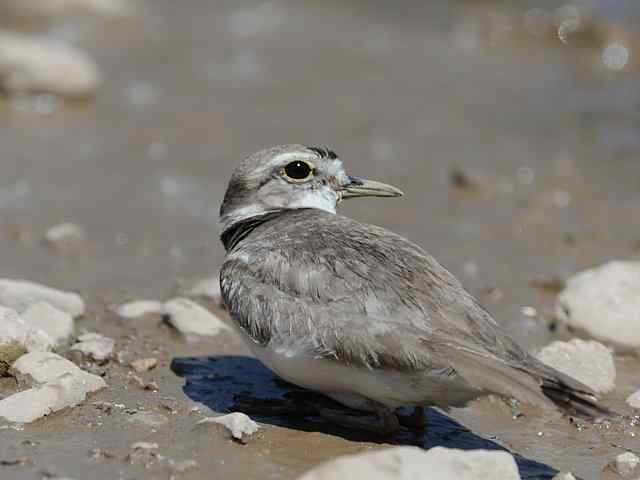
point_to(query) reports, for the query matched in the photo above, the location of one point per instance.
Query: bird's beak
(360, 187)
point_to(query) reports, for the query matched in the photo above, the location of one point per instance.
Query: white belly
(350, 385)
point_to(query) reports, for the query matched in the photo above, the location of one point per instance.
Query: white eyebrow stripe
(283, 157)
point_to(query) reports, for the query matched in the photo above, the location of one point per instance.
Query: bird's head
(292, 177)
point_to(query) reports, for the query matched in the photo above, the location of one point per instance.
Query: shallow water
(546, 134)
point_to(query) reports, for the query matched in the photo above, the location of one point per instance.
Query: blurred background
(512, 127)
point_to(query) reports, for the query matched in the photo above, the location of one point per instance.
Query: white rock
(140, 308)
(14, 330)
(564, 476)
(148, 419)
(239, 425)
(47, 367)
(95, 346)
(193, 320)
(29, 64)
(55, 323)
(207, 288)
(38, 341)
(62, 8)
(587, 361)
(59, 384)
(65, 236)
(409, 463)
(29, 405)
(144, 446)
(605, 302)
(634, 399)
(626, 464)
(20, 294)
(12, 327)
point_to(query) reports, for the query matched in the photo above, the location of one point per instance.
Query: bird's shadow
(229, 383)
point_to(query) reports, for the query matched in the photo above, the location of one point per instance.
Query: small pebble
(144, 446)
(148, 419)
(183, 466)
(140, 308)
(143, 364)
(207, 288)
(239, 425)
(564, 476)
(193, 320)
(634, 399)
(626, 464)
(66, 237)
(151, 386)
(95, 346)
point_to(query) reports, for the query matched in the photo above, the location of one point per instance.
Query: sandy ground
(547, 136)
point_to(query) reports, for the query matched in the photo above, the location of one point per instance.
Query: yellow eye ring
(298, 171)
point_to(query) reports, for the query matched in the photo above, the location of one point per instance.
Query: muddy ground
(542, 138)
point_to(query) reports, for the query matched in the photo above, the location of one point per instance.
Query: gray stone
(148, 419)
(21, 294)
(15, 332)
(193, 320)
(408, 463)
(56, 323)
(626, 464)
(590, 362)
(95, 346)
(207, 288)
(238, 425)
(144, 446)
(65, 391)
(66, 237)
(140, 308)
(47, 367)
(604, 302)
(32, 65)
(634, 399)
(564, 476)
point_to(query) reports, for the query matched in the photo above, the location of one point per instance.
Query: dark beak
(360, 187)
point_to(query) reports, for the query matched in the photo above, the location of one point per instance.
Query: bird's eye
(298, 171)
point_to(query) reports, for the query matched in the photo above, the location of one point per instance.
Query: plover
(355, 311)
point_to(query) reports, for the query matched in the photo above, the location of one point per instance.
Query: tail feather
(575, 402)
(571, 395)
(530, 381)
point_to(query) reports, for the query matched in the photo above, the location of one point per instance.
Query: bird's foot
(416, 422)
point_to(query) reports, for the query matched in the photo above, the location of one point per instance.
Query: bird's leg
(386, 425)
(417, 421)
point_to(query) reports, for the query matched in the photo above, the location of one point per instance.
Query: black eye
(298, 170)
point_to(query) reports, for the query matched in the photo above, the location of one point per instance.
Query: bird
(356, 312)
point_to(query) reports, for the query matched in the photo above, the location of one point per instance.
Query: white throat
(321, 200)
